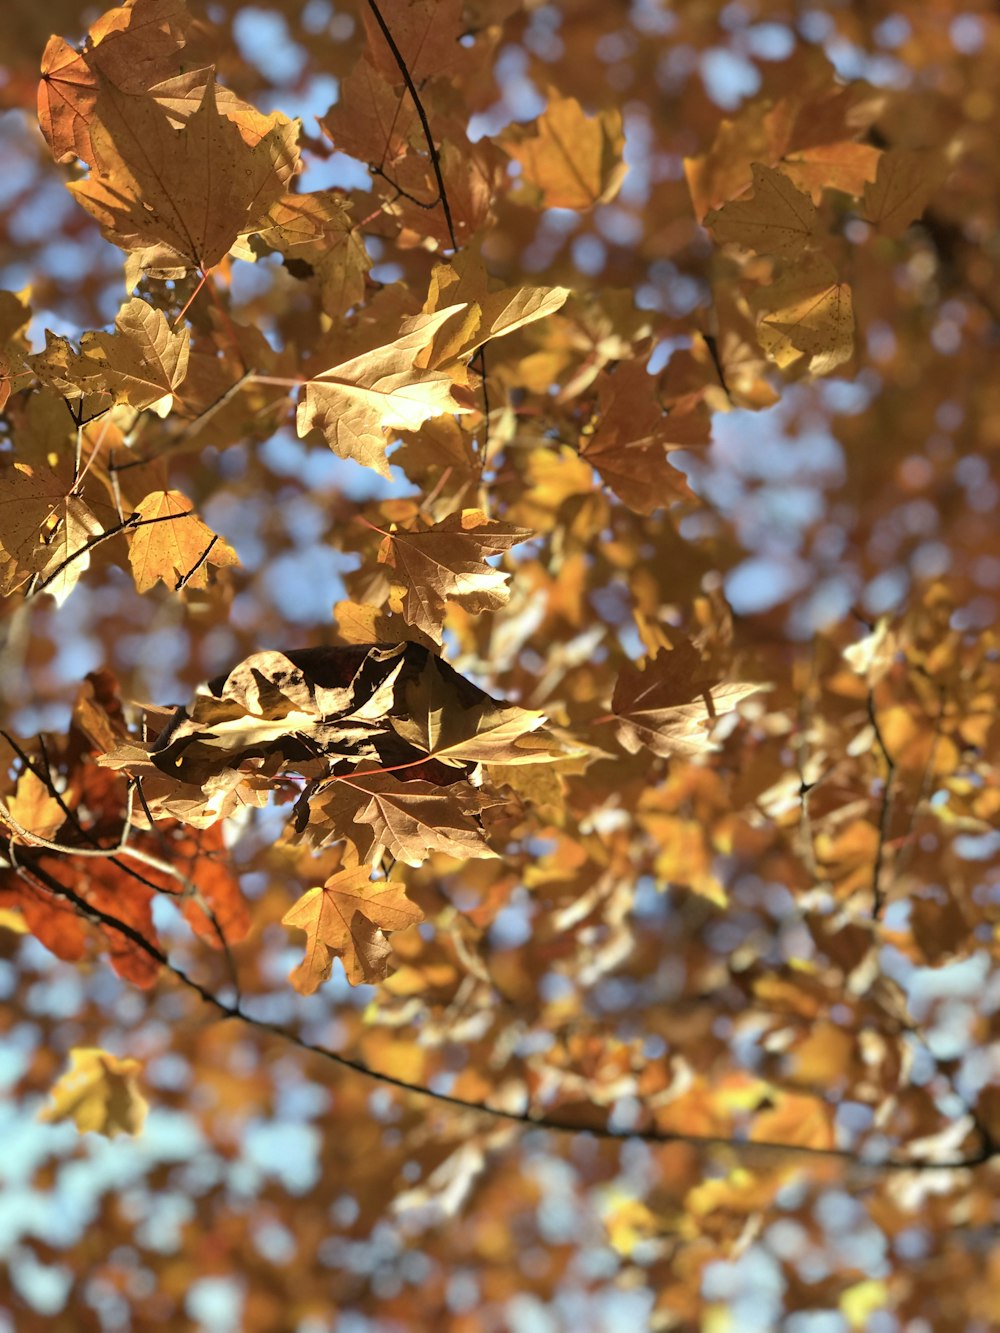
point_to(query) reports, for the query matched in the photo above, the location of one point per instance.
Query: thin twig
(186, 578)
(411, 88)
(885, 811)
(129, 524)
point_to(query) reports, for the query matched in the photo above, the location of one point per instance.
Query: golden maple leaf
(346, 918)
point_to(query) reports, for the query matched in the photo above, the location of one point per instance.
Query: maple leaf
(808, 312)
(317, 229)
(410, 820)
(141, 363)
(194, 189)
(28, 499)
(427, 35)
(132, 46)
(353, 404)
(438, 723)
(99, 1093)
(60, 562)
(671, 705)
(371, 120)
(777, 220)
(491, 312)
(629, 446)
(176, 547)
(569, 159)
(34, 807)
(445, 561)
(902, 187)
(345, 918)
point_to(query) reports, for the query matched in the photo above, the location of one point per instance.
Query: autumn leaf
(487, 733)
(317, 230)
(900, 191)
(99, 1093)
(65, 547)
(777, 220)
(568, 159)
(492, 311)
(671, 705)
(176, 547)
(193, 189)
(807, 312)
(427, 35)
(353, 404)
(133, 46)
(141, 363)
(372, 119)
(447, 560)
(28, 499)
(345, 918)
(410, 820)
(33, 805)
(629, 446)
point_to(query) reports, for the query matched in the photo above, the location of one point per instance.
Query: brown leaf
(447, 560)
(410, 820)
(372, 120)
(194, 189)
(28, 498)
(133, 46)
(671, 706)
(488, 732)
(899, 194)
(345, 918)
(807, 312)
(629, 446)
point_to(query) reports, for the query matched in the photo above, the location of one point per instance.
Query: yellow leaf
(859, 1303)
(777, 220)
(807, 312)
(174, 544)
(12, 920)
(193, 189)
(98, 1093)
(353, 404)
(569, 159)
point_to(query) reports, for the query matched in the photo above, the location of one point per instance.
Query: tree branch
(528, 1118)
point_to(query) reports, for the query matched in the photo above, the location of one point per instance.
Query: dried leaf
(193, 189)
(445, 561)
(807, 312)
(899, 194)
(345, 918)
(353, 404)
(410, 820)
(671, 706)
